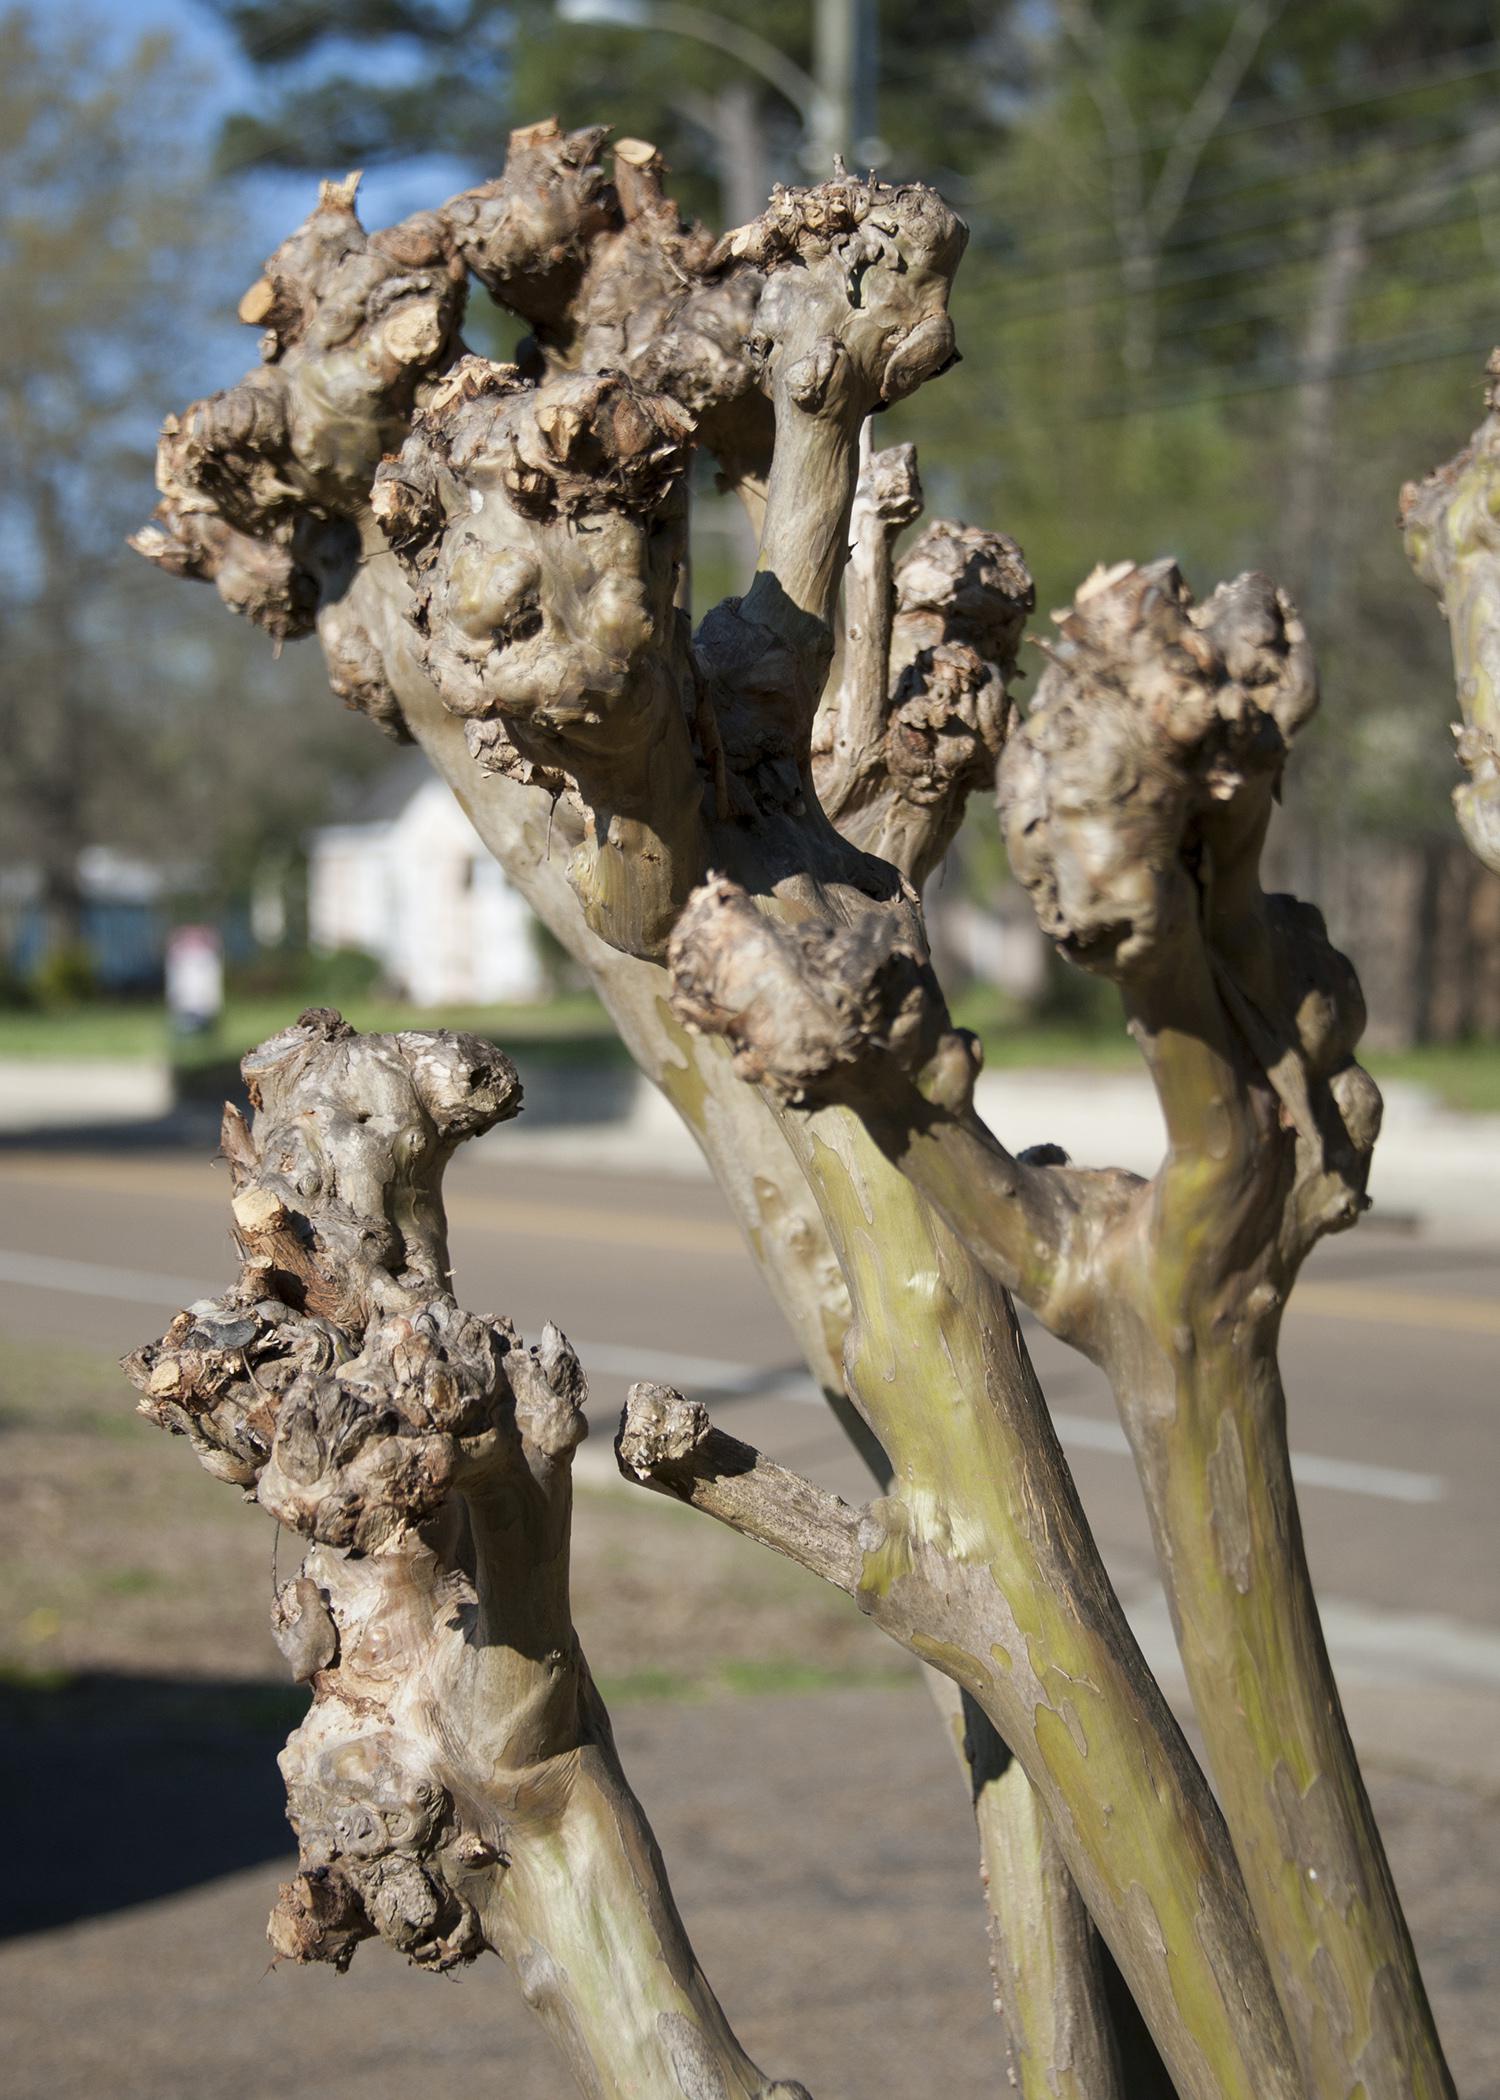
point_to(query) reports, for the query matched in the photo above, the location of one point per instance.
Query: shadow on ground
(136, 1788)
(193, 1127)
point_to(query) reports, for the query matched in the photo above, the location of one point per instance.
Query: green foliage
(128, 700)
(64, 977)
(1157, 355)
(307, 976)
(348, 973)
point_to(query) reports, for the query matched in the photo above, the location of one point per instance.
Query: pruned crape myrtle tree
(730, 828)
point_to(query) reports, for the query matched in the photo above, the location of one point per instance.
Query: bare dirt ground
(818, 1841)
(120, 1554)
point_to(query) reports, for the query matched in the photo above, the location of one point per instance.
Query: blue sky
(272, 200)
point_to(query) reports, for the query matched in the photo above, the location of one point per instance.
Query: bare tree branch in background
(1148, 205)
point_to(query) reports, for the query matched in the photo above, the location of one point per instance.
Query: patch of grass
(47, 1385)
(1464, 1076)
(132, 1582)
(100, 1028)
(1059, 1047)
(138, 1029)
(742, 1678)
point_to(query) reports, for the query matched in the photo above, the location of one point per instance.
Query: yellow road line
(206, 1182)
(198, 1181)
(621, 1228)
(1396, 1308)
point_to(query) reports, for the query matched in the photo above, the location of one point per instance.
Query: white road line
(91, 1279)
(712, 1374)
(1367, 1644)
(1351, 1475)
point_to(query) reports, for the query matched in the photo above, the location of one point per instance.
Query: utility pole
(836, 101)
(844, 66)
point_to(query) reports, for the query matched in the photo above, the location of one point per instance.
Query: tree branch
(1207, 111)
(1453, 543)
(930, 649)
(668, 1443)
(1135, 803)
(959, 1564)
(454, 1784)
(854, 315)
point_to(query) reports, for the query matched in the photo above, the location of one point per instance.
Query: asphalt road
(1392, 1349)
(821, 1852)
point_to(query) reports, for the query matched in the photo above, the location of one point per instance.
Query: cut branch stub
(1158, 733)
(353, 324)
(1135, 801)
(612, 279)
(962, 600)
(930, 655)
(961, 583)
(261, 579)
(341, 1384)
(528, 234)
(543, 531)
(814, 1011)
(855, 311)
(1452, 527)
(454, 1784)
(337, 1378)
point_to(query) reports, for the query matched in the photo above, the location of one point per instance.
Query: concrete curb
(64, 1093)
(1434, 1168)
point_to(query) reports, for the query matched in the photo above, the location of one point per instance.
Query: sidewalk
(1434, 1168)
(38, 1093)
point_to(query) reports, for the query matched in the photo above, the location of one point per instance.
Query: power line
(1271, 110)
(1193, 323)
(1435, 346)
(1266, 256)
(1289, 170)
(1235, 229)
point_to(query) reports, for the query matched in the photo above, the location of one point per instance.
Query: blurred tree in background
(1231, 273)
(123, 708)
(1230, 280)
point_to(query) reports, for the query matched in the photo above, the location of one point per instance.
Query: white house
(408, 880)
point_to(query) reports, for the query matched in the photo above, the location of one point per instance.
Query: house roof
(391, 792)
